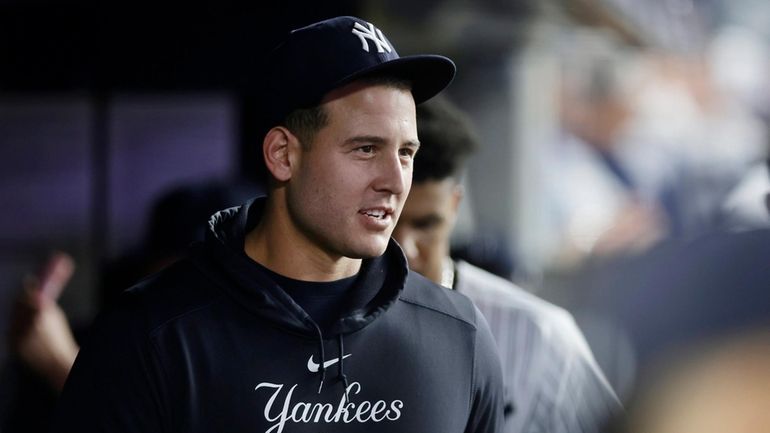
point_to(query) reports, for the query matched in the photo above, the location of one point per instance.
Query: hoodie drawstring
(321, 367)
(342, 369)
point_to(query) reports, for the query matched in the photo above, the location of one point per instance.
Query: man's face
(348, 187)
(426, 224)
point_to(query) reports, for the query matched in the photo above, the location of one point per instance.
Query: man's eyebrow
(412, 143)
(374, 139)
(427, 220)
(365, 139)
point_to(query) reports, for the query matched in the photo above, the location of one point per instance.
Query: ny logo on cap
(374, 35)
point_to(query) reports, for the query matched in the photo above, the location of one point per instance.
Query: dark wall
(76, 45)
(103, 108)
(142, 47)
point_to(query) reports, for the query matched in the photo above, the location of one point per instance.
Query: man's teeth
(375, 213)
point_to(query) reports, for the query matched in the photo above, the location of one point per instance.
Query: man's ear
(458, 192)
(276, 150)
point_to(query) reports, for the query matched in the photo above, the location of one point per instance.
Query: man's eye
(366, 149)
(426, 224)
(407, 152)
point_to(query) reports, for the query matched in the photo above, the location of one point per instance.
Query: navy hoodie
(212, 344)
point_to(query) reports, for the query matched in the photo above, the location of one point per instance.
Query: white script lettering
(307, 412)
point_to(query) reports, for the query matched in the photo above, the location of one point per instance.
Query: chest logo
(313, 366)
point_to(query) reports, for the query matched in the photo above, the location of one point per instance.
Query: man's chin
(375, 249)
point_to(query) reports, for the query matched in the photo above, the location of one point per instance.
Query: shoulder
(173, 292)
(482, 286)
(542, 348)
(426, 295)
(505, 304)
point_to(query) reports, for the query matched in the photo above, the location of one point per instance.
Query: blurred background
(608, 128)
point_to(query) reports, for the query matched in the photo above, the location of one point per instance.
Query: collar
(448, 273)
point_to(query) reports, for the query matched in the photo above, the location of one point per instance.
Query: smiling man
(298, 313)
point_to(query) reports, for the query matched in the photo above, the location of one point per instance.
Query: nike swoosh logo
(313, 367)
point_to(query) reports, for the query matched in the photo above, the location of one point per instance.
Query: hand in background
(40, 335)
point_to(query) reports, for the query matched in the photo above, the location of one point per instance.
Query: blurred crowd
(652, 145)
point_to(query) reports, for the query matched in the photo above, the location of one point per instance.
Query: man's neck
(448, 273)
(276, 244)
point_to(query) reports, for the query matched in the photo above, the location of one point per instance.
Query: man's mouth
(379, 214)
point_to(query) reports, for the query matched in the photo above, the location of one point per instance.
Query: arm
(40, 334)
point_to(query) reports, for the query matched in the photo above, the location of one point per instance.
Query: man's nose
(392, 174)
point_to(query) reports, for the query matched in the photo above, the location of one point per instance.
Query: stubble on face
(350, 184)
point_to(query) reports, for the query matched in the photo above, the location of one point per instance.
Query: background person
(552, 381)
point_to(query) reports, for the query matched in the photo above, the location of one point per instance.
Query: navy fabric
(322, 301)
(316, 59)
(213, 345)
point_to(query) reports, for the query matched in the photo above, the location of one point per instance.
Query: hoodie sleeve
(116, 383)
(487, 392)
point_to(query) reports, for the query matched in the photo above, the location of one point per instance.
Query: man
(552, 381)
(298, 313)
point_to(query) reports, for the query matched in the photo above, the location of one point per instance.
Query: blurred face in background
(426, 224)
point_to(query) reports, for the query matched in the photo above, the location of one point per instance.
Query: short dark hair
(306, 122)
(447, 139)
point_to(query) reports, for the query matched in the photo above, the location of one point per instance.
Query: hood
(224, 260)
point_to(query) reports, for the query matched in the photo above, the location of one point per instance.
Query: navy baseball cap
(314, 60)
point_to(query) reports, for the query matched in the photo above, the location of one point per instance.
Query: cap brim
(429, 74)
